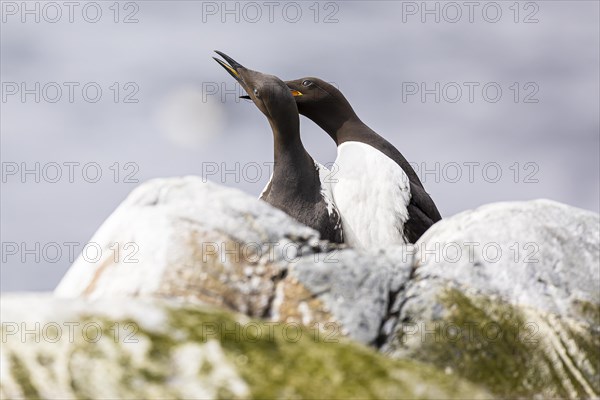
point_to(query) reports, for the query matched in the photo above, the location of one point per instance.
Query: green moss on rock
(289, 361)
(21, 375)
(512, 351)
(197, 352)
(589, 311)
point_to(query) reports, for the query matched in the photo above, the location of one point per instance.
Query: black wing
(422, 213)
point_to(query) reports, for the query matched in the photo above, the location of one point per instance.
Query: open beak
(295, 93)
(230, 66)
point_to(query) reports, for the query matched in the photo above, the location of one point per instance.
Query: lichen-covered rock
(505, 296)
(356, 288)
(141, 348)
(540, 254)
(194, 240)
(521, 319)
(512, 351)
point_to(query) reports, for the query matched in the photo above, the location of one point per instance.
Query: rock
(523, 319)
(194, 240)
(187, 238)
(355, 288)
(504, 296)
(143, 348)
(540, 254)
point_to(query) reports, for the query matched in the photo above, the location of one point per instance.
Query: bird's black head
(321, 102)
(311, 92)
(269, 93)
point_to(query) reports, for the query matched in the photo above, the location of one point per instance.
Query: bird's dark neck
(292, 163)
(339, 121)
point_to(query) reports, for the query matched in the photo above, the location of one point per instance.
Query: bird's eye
(306, 82)
(256, 92)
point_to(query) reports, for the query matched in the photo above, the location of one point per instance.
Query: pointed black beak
(230, 66)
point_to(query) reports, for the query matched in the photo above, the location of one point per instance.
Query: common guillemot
(298, 184)
(380, 197)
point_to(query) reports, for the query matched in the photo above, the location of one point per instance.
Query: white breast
(371, 192)
(325, 176)
(266, 187)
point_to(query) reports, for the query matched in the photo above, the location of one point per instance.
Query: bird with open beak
(298, 184)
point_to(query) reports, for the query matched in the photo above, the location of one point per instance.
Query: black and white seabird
(298, 184)
(379, 195)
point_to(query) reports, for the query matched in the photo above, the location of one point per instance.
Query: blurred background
(491, 101)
